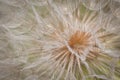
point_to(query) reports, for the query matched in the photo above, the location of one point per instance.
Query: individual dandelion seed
(16, 3)
(71, 4)
(115, 7)
(37, 2)
(75, 46)
(95, 4)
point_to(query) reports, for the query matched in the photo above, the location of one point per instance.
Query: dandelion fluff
(16, 3)
(49, 43)
(115, 7)
(95, 4)
(74, 46)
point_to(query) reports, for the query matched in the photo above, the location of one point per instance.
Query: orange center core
(79, 39)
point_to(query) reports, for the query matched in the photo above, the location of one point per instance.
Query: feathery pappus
(61, 40)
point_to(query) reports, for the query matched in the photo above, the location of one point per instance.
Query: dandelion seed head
(61, 40)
